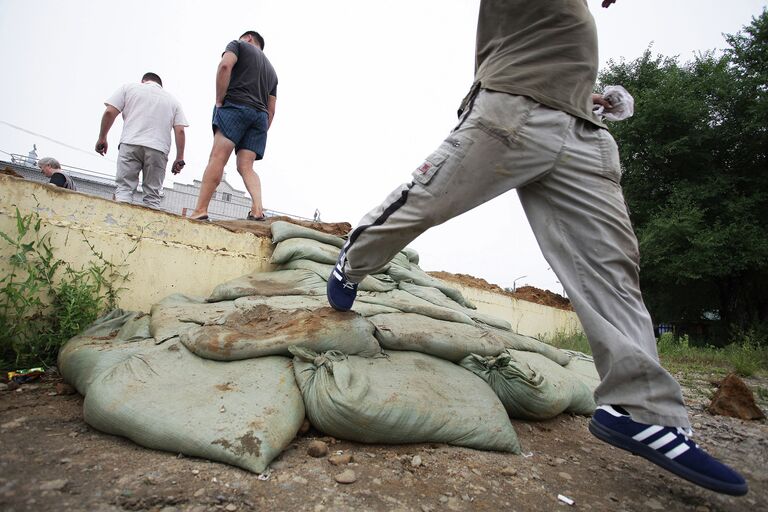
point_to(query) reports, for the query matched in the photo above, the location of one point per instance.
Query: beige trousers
(566, 172)
(132, 160)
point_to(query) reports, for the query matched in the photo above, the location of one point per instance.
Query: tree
(696, 180)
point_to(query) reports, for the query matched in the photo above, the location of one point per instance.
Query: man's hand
(177, 166)
(607, 3)
(598, 99)
(102, 146)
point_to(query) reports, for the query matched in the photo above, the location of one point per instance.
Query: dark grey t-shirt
(544, 49)
(253, 77)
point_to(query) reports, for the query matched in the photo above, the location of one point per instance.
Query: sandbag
(530, 386)
(525, 343)
(102, 345)
(269, 328)
(270, 284)
(176, 313)
(372, 283)
(438, 298)
(304, 249)
(406, 397)
(242, 413)
(409, 303)
(447, 340)
(417, 276)
(583, 366)
(282, 230)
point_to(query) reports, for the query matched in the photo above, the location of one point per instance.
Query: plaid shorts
(243, 125)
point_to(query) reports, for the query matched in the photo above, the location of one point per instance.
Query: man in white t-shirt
(149, 115)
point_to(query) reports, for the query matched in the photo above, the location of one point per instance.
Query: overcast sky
(366, 91)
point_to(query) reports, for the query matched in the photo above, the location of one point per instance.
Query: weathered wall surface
(171, 254)
(526, 317)
(176, 255)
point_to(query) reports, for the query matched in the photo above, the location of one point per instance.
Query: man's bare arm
(223, 75)
(271, 110)
(110, 114)
(181, 138)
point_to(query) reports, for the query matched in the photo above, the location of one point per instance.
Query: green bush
(44, 301)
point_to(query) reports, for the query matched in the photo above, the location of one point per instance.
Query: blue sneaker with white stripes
(668, 447)
(341, 291)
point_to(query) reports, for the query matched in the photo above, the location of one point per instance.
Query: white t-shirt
(149, 115)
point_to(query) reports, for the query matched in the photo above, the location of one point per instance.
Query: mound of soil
(527, 293)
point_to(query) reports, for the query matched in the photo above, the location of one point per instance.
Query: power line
(89, 153)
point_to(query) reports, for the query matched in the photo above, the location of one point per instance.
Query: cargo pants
(566, 172)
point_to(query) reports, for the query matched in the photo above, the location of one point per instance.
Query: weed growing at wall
(45, 301)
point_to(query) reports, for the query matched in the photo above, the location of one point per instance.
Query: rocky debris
(346, 477)
(317, 449)
(733, 398)
(340, 459)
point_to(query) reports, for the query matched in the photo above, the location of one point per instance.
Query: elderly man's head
(49, 165)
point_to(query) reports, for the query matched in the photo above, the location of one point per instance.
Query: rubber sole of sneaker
(637, 448)
(330, 301)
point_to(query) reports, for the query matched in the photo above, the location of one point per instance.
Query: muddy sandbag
(438, 298)
(282, 230)
(242, 413)
(409, 303)
(264, 329)
(102, 345)
(304, 249)
(530, 386)
(372, 283)
(406, 397)
(447, 340)
(417, 276)
(176, 313)
(276, 283)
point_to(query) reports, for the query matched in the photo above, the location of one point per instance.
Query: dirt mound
(527, 293)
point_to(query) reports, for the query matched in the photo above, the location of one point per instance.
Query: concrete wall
(526, 317)
(176, 255)
(172, 254)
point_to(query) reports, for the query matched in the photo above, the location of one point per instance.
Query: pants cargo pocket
(437, 170)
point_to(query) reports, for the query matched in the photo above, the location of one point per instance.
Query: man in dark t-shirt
(246, 94)
(52, 169)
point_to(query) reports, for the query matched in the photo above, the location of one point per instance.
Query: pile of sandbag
(231, 377)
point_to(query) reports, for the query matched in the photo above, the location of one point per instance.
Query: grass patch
(745, 355)
(45, 301)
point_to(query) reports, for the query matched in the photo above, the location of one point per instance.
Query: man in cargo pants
(527, 124)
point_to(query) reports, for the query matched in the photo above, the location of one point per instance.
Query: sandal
(251, 217)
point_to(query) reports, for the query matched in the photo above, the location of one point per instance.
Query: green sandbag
(417, 276)
(525, 343)
(282, 230)
(453, 341)
(411, 254)
(372, 283)
(447, 340)
(304, 249)
(242, 413)
(280, 282)
(256, 329)
(409, 303)
(530, 386)
(437, 297)
(176, 313)
(100, 346)
(405, 397)
(583, 366)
